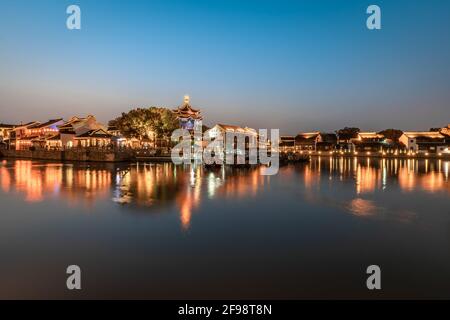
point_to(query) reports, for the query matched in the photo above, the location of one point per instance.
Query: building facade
(425, 142)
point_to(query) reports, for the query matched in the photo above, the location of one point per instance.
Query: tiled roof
(423, 134)
(98, 133)
(370, 135)
(46, 124)
(236, 129)
(9, 126)
(27, 125)
(307, 137)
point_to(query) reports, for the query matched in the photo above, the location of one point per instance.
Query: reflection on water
(308, 232)
(154, 186)
(137, 185)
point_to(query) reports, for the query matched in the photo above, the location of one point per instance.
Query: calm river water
(161, 231)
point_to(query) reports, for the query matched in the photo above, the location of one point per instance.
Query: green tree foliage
(392, 134)
(149, 123)
(348, 133)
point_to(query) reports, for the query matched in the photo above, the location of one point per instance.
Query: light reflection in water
(153, 186)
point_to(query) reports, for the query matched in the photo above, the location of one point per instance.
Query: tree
(147, 123)
(348, 133)
(167, 124)
(392, 134)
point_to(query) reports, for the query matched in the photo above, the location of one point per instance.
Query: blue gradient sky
(294, 65)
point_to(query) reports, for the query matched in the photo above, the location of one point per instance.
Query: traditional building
(19, 136)
(345, 140)
(5, 131)
(369, 142)
(189, 117)
(425, 142)
(77, 127)
(287, 144)
(36, 134)
(446, 132)
(93, 138)
(306, 141)
(44, 129)
(326, 142)
(223, 132)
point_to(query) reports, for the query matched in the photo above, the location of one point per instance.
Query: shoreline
(445, 157)
(118, 157)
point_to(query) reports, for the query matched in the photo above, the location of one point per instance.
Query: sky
(293, 65)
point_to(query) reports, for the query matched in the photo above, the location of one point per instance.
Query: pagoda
(188, 116)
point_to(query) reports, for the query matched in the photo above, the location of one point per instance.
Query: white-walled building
(425, 142)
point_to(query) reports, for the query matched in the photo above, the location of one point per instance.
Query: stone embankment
(70, 155)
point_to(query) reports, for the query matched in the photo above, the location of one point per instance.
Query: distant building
(326, 142)
(21, 132)
(73, 132)
(368, 142)
(446, 132)
(188, 116)
(425, 142)
(222, 132)
(5, 131)
(306, 141)
(93, 138)
(345, 140)
(287, 144)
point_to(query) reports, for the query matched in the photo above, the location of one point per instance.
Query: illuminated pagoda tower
(189, 117)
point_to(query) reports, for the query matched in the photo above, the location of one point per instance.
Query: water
(160, 231)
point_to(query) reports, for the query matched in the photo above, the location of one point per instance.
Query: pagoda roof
(186, 111)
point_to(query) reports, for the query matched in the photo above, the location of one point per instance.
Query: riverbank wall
(124, 156)
(430, 156)
(69, 155)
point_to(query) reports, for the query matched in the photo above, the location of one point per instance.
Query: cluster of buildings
(88, 132)
(410, 143)
(56, 134)
(83, 132)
